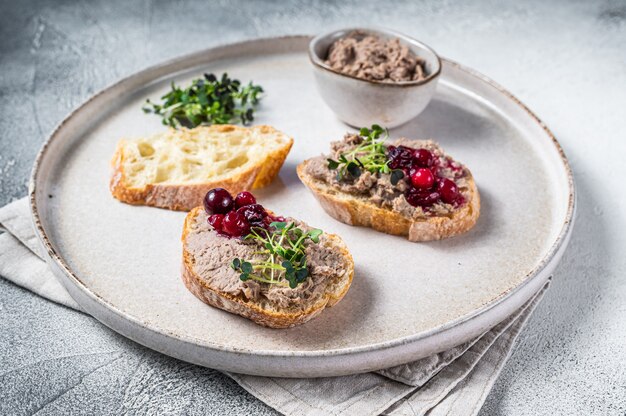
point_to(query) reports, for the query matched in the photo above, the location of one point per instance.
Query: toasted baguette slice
(358, 210)
(177, 168)
(265, 312)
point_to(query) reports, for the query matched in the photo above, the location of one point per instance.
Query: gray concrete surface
(566, 60)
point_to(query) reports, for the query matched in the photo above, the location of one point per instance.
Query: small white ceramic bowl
(361, 103)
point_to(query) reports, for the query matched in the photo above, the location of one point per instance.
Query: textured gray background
(566, 60)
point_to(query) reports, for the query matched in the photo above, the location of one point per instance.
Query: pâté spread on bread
(276, 271)
(407, 187)
(372, 58)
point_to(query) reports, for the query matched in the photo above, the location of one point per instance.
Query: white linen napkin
(453, 382)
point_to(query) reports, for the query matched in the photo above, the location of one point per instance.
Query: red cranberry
(400, 157)
(218, 201)
(422, 178)
(421, 198)
(423, 157)
(216, 220)
(254, 213)
(244, 198)
(448, 190)
(271, 218)
(235, 224)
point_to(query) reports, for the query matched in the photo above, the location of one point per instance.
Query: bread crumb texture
(197, 155)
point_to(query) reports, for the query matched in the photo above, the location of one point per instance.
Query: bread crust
(354, 210)
(249, 309)
(184, 197)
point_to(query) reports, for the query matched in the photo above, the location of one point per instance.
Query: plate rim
(60, 263)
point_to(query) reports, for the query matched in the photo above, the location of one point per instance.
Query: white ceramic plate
(122, 263)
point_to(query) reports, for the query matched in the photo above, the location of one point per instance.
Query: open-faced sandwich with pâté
(279, 272)
(407, 187)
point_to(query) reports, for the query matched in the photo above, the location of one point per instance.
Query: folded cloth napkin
(453, 382)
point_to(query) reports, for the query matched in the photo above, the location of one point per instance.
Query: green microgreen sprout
(369, 155)
(207, 100)
(284, 260)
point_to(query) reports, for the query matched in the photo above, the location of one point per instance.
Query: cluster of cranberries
(235, 217)
(425, 186)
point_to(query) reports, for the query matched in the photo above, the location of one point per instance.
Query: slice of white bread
(357, 210)
(176, 169)
(266, 312)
